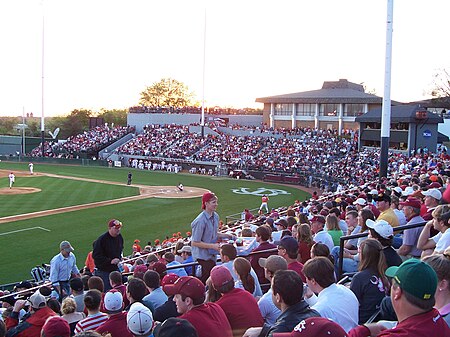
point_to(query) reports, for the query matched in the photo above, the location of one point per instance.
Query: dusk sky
(103, 53)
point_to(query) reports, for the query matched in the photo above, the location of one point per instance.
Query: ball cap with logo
(415, 277)
(315, 327)
(139, 319)
(113, 302)
(382, 227)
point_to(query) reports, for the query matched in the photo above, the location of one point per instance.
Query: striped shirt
(91, 322)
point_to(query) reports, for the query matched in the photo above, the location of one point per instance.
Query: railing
(360, 235)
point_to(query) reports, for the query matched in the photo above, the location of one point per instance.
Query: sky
(104, 53)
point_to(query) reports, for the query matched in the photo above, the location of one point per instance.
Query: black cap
(174, 327)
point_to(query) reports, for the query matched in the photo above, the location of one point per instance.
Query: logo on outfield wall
(259, 192)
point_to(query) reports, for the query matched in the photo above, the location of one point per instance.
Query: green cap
(415, 277)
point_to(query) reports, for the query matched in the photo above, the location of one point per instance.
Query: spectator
(95, 318)
(107, 253)
(320, 249)
(116, 324)
(168, 309)
(136, 291)
(317, 227)
(170, 259)
(248, 314)
(205, 236)
(383, 201)
(305, 242)
(441, 265)
(262, 236)
(268, 309)
(69, 313)
(77, 292)
(288, 249)
(157, 296)
(411, 208)
(186, 254)
(242, 269)
(31, 324)
(333, 229)
(439, 242)
(189, 296)
(334, 301)
(413, 287)
(287, 295)
(351, 218)
(96, 282)
(381, 231)
(116, 282)
(56, 327)
(140, 320)
(175, 327)
(370, 284)
(62, 267)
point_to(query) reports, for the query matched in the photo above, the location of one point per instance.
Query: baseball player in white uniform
(30, 166)
(12, 179)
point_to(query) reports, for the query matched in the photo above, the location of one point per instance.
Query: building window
(283, 109)
(329, 110)
(353, 110)
(305, 109)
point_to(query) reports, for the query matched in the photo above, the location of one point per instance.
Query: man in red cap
(205, 246)
(207, 318)
(411, 208)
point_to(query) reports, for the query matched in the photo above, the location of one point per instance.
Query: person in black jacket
(287, 295)
(107, 252)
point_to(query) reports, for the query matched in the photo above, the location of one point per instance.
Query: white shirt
(325, 238)
(340, 304)
(442, 241)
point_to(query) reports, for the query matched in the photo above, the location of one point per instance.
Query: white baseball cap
(382, 227)
(434, 193)
(408, 191)
(360, 201)
(113, 302)
(139, 319)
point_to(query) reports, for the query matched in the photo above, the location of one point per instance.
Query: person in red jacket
(207, 318)
(33, 322)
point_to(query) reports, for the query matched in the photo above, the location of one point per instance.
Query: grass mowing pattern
(145, 220)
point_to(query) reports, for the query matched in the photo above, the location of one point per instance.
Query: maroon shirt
(209, 320)
(255, 257)
(241, 309)
(298, 268)
(116, 325)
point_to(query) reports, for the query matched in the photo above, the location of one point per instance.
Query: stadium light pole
(386, 108)
(202, 123)
(42, 84)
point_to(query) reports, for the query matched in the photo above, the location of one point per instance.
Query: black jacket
(107, 248)
(289, 319)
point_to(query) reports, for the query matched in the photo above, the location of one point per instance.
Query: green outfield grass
(23, 244)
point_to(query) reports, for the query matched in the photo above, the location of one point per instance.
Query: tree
(75, 123)
(167, 92)
(441, 84)
(116, 116)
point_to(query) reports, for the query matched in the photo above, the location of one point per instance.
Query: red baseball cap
(319, 218)
(413, 202)
(169, 279)
(315, 327)
(188, 286)
(220, 276)
(114, 223)
(56, 326)
(208, 196)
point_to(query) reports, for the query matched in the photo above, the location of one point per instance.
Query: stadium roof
(402, 113)
(341, 91)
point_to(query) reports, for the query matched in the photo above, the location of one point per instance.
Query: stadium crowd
(274, 273)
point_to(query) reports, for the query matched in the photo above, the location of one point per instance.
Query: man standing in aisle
(107, 252)
(205, 245)
(62, 268)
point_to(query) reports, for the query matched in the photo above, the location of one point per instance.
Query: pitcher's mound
(18, 190)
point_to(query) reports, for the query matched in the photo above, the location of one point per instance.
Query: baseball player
(12, 179)
(30, 166)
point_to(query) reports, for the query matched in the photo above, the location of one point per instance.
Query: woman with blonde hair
(370, 283)
(68, 309)
(242, 267)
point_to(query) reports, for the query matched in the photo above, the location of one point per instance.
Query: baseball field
(74, 203)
